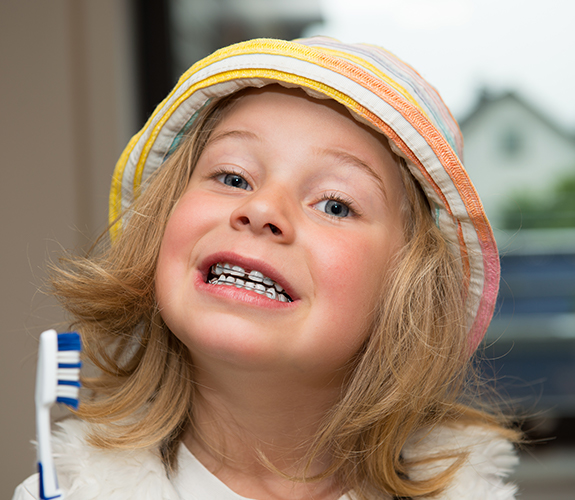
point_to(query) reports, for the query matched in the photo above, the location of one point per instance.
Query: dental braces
(226, 274)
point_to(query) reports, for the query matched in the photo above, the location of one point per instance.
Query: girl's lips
(247, 264)
(241, 295)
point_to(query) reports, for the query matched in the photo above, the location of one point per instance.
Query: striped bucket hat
(378, 89)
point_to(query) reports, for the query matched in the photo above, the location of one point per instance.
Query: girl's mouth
(226, 274)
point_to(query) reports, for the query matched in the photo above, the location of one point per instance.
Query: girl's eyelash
(223, 171)
(226, 171)
(348, 202)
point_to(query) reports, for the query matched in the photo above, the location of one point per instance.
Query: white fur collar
(86, 473)
(482, 477)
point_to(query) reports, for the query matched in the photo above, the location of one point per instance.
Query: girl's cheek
(194, 213)
(352, 265)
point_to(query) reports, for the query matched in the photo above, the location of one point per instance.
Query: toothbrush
(57, 381)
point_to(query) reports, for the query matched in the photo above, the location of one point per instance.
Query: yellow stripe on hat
(115, 199)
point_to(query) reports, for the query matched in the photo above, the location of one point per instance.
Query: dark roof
(488, 99)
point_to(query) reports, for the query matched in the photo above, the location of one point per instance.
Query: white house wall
(544, 154)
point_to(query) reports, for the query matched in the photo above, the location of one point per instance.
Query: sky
(462, 46)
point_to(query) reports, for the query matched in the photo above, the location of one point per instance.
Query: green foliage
(534, 212)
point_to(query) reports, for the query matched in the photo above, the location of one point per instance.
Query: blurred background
(79, 77)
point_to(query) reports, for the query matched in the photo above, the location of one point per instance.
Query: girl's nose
(265, 213)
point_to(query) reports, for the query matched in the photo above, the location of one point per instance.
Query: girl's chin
(234, 347)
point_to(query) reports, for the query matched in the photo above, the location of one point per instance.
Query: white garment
(194, 482)
(86, 473)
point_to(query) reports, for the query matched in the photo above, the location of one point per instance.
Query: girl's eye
(234, 180)
(335, 208)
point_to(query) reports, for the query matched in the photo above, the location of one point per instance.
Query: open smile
(225, 274)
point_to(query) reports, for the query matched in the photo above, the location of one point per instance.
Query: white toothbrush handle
(46, 381)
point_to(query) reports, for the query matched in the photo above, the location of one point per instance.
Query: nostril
(244, 220)
(275, 230)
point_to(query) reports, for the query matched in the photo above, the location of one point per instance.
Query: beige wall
(66, 111)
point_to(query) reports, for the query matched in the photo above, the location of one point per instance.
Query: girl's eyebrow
(354, 161)
(240, 134)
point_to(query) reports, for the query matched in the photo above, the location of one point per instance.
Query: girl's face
(304, 205)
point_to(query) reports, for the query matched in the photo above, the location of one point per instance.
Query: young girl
(298, 274)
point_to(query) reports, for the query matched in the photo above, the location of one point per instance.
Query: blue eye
(335, 208)
(234, 180)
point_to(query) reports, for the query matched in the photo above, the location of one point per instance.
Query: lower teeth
(249, 285)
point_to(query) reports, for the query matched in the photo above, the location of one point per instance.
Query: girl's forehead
(288, 101)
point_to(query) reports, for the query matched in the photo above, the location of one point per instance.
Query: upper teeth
(226, 274)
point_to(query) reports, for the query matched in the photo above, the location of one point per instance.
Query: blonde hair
(409, 375)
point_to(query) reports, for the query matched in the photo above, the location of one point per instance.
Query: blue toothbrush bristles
(69, 342)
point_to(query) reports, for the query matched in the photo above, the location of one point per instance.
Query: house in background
(517, 158)
(511, 149)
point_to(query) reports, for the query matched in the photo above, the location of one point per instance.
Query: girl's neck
(244, 418)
